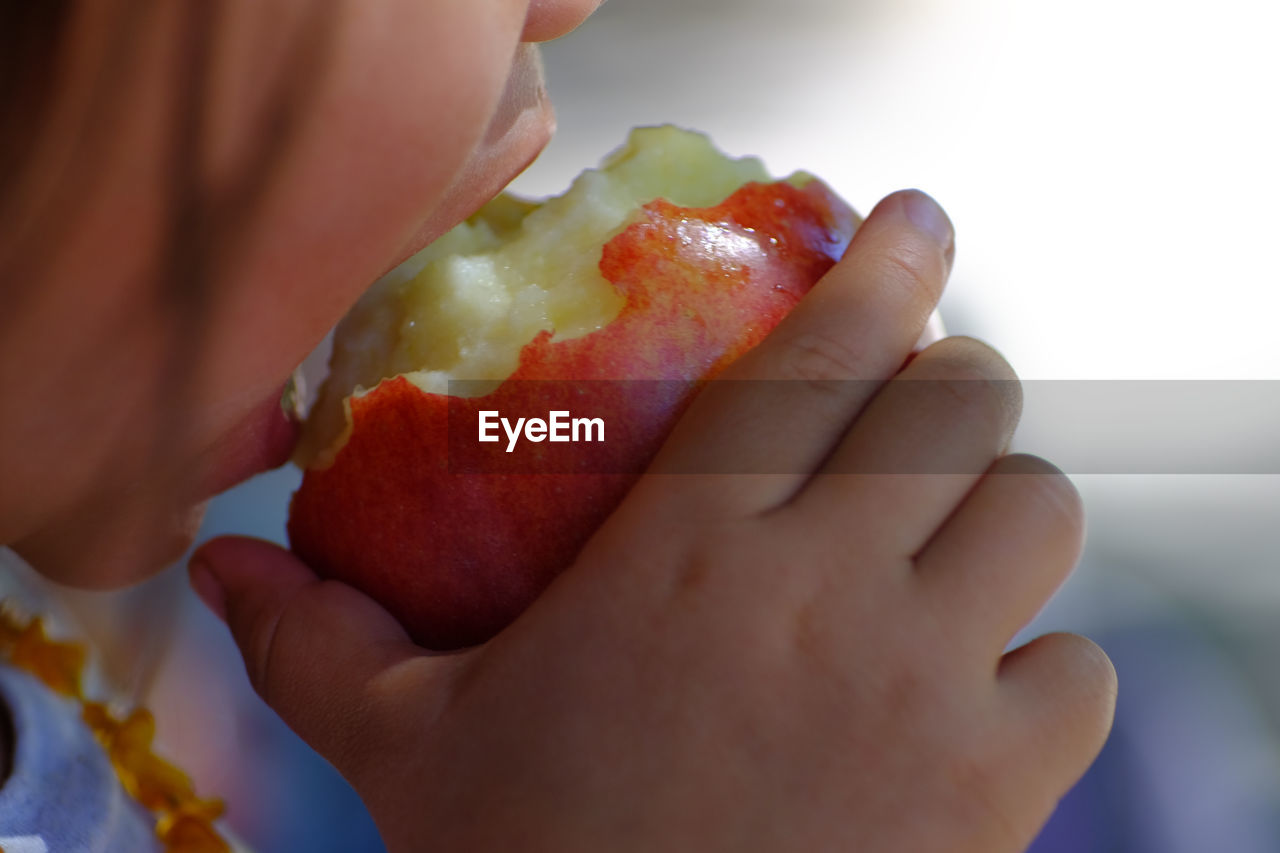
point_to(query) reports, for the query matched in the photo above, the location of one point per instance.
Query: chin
(101, 548)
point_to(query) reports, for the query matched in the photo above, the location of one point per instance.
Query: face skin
(120, 419)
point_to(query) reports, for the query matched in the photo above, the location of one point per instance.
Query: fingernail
(206, 585)
(926, 215)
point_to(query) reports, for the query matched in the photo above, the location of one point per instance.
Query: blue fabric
(62, 795)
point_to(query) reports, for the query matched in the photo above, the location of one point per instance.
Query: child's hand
(793, 661)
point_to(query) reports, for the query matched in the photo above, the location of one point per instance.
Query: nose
(550, 19)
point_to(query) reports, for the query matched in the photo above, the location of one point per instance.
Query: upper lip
(525, 89)
(521, 124)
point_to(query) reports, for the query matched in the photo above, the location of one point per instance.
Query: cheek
(398, 111)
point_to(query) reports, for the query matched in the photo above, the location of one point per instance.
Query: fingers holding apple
(781, 642)
(824, 363)
(610, 305)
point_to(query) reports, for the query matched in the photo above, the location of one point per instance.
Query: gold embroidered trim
(184, 822)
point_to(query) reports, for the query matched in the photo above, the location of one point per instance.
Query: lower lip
(263, 440)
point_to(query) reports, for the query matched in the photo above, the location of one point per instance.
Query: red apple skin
(456, 538)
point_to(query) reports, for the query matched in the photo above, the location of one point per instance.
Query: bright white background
(1113, 171)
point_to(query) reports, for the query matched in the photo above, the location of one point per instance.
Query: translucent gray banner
(1082, 426)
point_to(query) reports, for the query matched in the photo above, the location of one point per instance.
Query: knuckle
(273, 637)
(259, 648)
(976, 378)
(1085, 686)
(912, 270)
(820, 359)
(1047, 489)
(960, 349)
(975, 395)
(972, 396)
(1094, 673)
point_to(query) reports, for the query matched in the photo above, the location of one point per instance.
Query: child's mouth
(263, 440)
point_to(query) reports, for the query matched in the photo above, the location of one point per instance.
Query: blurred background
(1112, 171)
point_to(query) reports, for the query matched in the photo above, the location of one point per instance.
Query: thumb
(331, 662)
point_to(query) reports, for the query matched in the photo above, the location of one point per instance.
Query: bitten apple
(609, 303)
